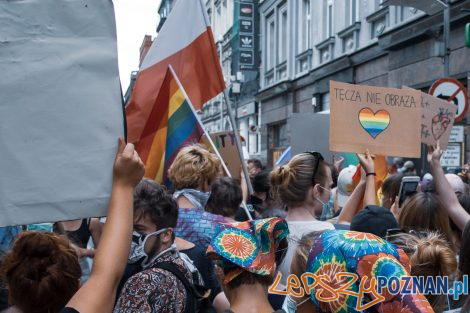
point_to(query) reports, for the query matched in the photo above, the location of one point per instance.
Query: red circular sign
(451, 89)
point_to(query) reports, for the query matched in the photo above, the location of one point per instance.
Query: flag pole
(238, 142)
(208, 136)
(200, 123)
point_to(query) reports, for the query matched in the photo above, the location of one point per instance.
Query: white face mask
(141, 247)
(290, 306)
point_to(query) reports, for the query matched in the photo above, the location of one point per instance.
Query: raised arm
(98, 293)
(349, 209)
(364, 191)
(444, 190)
(367, 163)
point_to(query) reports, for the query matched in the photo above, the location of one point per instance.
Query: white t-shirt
(296, 230)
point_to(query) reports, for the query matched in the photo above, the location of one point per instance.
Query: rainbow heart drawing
(374, 123)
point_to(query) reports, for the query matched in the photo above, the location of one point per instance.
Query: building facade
(306, 43)
(235, 25)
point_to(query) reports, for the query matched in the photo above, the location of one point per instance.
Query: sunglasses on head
(398, 231)
(318, 157)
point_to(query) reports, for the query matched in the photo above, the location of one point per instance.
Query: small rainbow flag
(172, 124)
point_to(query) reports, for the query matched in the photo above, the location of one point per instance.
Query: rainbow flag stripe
(172, 124)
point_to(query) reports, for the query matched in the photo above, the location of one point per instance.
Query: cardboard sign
(437, 120)
(383, 120)
(227, 147)
(61, 109)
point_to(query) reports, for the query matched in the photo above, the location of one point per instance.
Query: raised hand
(367, 162)
(435, 154)
(337, 162)
(128, 167)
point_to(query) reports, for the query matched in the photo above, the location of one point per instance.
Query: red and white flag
(186, 43)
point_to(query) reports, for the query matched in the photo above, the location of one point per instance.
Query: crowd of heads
(306, 216)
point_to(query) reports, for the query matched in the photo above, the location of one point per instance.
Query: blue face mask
(290, 306)
(327, 207)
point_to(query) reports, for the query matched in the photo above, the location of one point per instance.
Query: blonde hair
(430, 256)
(293, 180)
(193, 166)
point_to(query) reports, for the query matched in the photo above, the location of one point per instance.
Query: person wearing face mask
(191, 175)
(157, 288)
(303, 185)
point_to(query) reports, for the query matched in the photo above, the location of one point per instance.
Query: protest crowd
(187, 231)
(150, 255)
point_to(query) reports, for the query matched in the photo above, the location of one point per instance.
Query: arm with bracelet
(445, 193)
(367, 163)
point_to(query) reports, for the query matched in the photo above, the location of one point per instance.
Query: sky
(134, 20)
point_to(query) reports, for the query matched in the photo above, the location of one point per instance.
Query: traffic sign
(452, 90)
(453, 156)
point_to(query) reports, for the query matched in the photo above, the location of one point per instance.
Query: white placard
(61, 109)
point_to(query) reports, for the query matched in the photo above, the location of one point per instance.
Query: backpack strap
(191, 305)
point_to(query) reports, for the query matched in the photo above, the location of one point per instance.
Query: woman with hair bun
(430, 256)
(42, 272)
(303, 185)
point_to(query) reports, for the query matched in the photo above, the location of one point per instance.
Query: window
(352, 12)
(218, 20)
(225, 15)
(282, 35)
(325, 101)
(328, 29)
(270, 45)
(305, 26)
(277, 136)
(330, 20)
(399, 14)
(230, 10)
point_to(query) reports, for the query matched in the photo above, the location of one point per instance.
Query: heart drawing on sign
(440, 123)
(374, 123)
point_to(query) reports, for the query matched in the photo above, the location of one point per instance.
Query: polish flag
(186, 43)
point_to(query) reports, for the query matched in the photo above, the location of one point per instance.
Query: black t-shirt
(205, 268)
(276, 300)
(254, 205)
(3, 299)
(69, 310)
(464, 258)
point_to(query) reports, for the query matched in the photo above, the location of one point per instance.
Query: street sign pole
(446, 39)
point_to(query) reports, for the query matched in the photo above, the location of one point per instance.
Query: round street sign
(452, 90)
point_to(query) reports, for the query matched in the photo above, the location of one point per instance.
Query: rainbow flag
(172, 124)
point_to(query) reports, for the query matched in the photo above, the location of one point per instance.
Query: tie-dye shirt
(197, 226)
